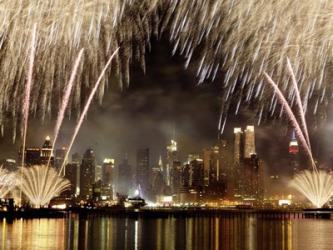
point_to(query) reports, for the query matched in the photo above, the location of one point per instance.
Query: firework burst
(240, 38)
(7, 182)
(41, 183)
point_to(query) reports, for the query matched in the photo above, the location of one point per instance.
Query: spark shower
(243, 39)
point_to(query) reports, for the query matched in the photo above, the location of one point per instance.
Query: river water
(250, 232)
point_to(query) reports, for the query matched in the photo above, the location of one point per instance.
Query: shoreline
(169, 212)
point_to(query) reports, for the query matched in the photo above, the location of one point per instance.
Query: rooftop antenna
(174, 131)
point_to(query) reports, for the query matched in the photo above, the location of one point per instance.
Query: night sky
(167, 100)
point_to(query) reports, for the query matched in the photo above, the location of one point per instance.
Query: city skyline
(147, 110)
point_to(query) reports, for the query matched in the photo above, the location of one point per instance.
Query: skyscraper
(196, 171)
(107, 171)
(142, 170)
(294, 157)
(59, 157)
(37, 155)
(157, 179)
(235, 186)
(46, 152)
(71, 175)
(253, 178)
(238, 145)
(76, 159)
(125, 177)
(217, 164)
(87, 173)
(248, 168)
(249, 142)
(172, 165)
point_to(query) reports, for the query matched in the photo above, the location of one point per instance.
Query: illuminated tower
(174, 168)
(59, 157)
(107, 171)
(293, 144)
(217, 169)
(160, 163)
(87, 173)
(125, 177)
(142, 170)
(293, 150)
(46, 152)
(237, 145)
(171, 157)
(249, 142)
(248, 169)
(157, 180)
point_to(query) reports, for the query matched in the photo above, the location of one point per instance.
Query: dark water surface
(249, 232)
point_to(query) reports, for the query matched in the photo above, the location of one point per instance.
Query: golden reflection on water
(228, 232)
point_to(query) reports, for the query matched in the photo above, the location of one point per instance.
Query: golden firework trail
(238, 39)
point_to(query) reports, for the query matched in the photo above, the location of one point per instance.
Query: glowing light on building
(109, 161)
(284, 202)
(293, 144)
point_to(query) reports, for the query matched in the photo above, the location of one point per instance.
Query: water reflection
(230, 232)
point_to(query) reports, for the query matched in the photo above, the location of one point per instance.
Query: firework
(292, 118)
(317, 187)
(64, 103)
(41, 183)
(7, 182)
(243, 39)
(299, 103)
(86, 108)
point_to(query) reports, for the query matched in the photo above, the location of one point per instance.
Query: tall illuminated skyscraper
(87, 173)
(37, 155)
(238, 145)
(142, 170)
(293, 144)
(171, 158)
(248, 168)
(294, 157)
(125, 177)
(59, 157)
(249, 142)
(46, 152)
(174, 168)
(107, 171)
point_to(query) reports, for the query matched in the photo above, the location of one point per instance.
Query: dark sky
(145, 115)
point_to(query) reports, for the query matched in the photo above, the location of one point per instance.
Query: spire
(174, 131)
(47, 142)
(160, 163)
(293, 135)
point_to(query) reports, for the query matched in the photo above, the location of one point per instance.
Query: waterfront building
(46, 152)
(98, 172)
(87, 173)
(253, 178)
(247, 172)
(142, 170)
(125, 177)
(108, 171)
(218, 165)
(37, 155)
(196, 174)
(249, 142)
(171, 162)
(71, 175)
(157, 179)
(59, 157)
